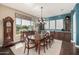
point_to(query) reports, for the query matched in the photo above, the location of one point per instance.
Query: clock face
(8, 24)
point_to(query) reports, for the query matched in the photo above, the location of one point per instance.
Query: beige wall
(4, 12)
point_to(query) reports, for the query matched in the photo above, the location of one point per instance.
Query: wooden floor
(66, 49)
(77, 51)
(6, 51)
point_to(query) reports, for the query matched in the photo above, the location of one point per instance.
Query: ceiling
(49, 9)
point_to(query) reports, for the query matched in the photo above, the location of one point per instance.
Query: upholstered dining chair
(47, 37)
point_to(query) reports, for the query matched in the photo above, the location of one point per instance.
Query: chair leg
(49, 43)
(28, 52)
(47, 46)
(36, 47)
(24, 49)
(39, 49)
(44, 49)
(28, 49)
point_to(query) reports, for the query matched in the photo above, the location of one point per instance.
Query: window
(18, 28)
(47, 24)
(18, 25)
(52, 24)
(32, 23)
(18, 21)
(22, 25)
(59, 24)
(25, 22)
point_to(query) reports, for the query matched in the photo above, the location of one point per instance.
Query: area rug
(54, 50)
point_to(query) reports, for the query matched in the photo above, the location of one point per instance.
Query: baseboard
(77, 46)
(73, 41)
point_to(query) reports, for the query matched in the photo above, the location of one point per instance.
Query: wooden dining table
(37, 38)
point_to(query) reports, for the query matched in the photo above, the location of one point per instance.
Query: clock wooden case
(67, 23)
(8, 31)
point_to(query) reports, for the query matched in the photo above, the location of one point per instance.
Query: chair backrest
(24, 35)
(37, 37)
(52, 35)
(47, 35)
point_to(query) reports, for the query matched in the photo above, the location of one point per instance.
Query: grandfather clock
(67, 23)
(8, 31)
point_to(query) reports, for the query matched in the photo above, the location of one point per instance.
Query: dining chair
(29, 43)
(52, 34)
(48, 41)
(41, 43)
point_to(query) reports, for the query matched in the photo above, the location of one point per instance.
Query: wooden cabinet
(65, 36)
(8, 31)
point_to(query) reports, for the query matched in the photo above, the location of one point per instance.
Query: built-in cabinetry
(65, 36)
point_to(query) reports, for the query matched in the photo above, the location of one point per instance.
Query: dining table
(37, 38)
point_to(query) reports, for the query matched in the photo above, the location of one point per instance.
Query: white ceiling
(49, 9)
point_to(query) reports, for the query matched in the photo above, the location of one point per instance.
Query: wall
(74, 27)
(58, 17)
(4, 12)
(62, 16)
(75, 24)
(76, 9)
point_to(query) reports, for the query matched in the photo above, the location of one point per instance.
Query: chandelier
(41, 22)
(41, 19)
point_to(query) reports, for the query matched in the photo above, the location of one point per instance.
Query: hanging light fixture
(41, 22)
(41, 14)
(41, 18)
